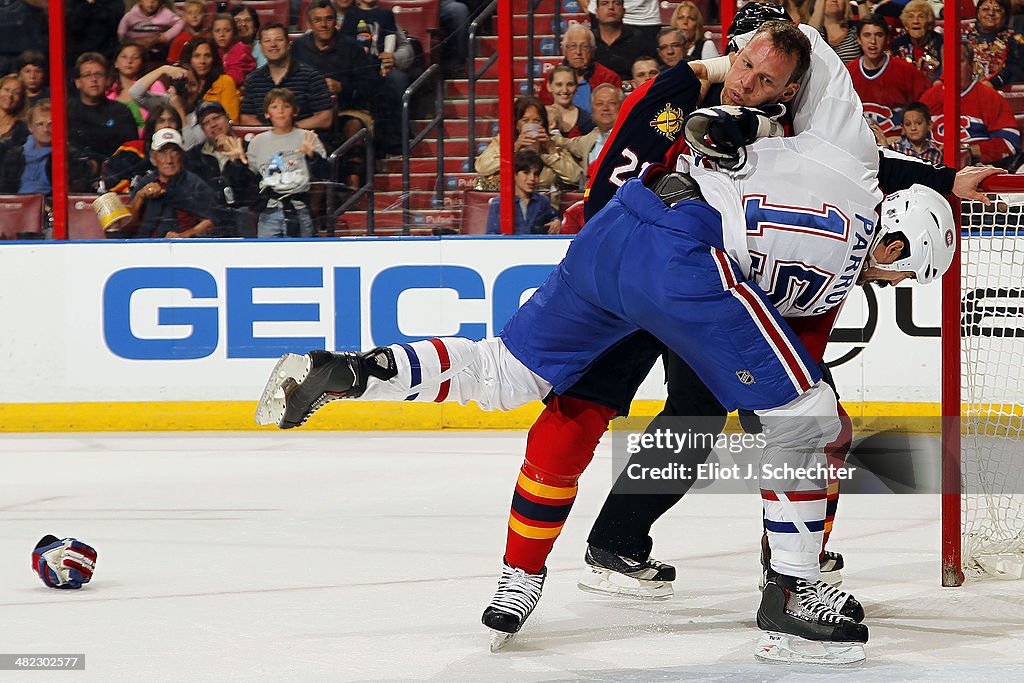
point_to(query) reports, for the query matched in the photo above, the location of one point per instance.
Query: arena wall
(169, 335)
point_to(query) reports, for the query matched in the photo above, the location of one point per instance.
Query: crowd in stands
(156, 90)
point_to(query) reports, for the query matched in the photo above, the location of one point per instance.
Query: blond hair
(686, 4)
(19, 111)
(919, 6)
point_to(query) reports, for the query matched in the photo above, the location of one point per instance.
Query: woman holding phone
(561, 170)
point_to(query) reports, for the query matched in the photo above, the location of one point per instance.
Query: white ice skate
(788, 649)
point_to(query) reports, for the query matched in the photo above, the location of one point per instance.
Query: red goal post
(983, 389)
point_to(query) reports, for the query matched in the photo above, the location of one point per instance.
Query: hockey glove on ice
(66, 563)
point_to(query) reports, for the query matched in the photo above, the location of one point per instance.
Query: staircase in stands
(459, 174)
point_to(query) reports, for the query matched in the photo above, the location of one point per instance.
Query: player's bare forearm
(965, 185)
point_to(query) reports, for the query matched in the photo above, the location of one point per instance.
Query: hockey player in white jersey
(581, 311)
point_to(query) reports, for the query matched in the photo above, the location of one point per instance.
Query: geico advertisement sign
(350, 307)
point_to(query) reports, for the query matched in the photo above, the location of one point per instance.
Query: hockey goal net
(983, 385)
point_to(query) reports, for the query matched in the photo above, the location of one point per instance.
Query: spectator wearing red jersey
(885, 84)
(235, 55)
(194, 14)
(987, 127)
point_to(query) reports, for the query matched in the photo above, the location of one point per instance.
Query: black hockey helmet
(751, 17)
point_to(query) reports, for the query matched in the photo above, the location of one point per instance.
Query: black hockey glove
(722, 133)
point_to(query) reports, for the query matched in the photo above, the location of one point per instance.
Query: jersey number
(623, 172)
(796, 283)
(828, 221)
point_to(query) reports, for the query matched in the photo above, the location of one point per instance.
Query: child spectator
(153, 25)
(194, 14)
(534, 214)
(32, 72)
(917, 134)
(236, 56)
(285, 158)
(127, 69)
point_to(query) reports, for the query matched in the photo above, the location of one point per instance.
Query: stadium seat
(247, 133)
(474, 212)
(303, 20)
(1015, 100)
(83, 224)
(420, 19)
(270, 10)
(567, 199)
(572, 219)
(20, 214)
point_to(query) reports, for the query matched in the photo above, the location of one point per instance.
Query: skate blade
(786, 649)
(606, 582)
(500, 639)
(290, 369)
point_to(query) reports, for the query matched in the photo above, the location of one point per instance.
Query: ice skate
(831, 568)
(829, 593)
(517, 595)
(802, 628)
(830, 565)
(609, 574)
(301, 385)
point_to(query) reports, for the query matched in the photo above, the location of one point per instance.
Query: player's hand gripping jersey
(803, 243)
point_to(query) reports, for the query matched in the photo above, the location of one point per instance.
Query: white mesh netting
(992, 387)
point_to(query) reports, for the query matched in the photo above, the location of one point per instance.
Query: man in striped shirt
(281, 71)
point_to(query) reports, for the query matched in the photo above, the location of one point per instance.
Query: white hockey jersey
(799, 216)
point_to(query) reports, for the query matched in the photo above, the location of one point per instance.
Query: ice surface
(300, 556)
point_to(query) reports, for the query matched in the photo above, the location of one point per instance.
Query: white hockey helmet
(925, 219)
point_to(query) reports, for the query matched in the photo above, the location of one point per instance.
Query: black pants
(625, 521)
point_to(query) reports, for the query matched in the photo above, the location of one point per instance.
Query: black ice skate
(829, 563)
(802, 628)
(301, 385)
(610, 574)
(517, 595)
(828, 591)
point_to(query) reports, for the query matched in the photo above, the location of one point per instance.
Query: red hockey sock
(835, 455)
(559, 447)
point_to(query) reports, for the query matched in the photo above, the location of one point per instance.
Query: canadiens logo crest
(745, 377)
(949, 238)
(668, 121)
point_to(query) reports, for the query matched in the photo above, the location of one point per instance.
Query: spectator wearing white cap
(172, 202)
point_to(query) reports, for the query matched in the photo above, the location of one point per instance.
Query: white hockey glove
(722, 133)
